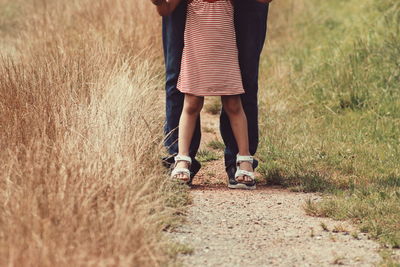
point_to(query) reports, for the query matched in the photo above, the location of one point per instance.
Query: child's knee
(193, 105)
(232, 105)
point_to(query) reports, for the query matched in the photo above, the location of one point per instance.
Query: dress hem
(212, 93)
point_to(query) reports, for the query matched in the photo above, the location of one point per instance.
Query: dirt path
(266, 227)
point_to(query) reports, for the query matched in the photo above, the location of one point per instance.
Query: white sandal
(239, 172)
(177, 171)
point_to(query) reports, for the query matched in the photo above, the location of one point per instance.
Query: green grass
(207, 155)
(214, 106)
(333, 110)
(216, 144)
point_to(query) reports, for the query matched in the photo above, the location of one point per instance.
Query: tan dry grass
(80, 181)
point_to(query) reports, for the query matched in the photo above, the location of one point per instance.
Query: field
(331, 120)
(81, 116)
(81, 180)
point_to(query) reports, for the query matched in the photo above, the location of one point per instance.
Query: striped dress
(210, 64)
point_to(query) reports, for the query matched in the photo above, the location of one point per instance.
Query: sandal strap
(240, 172)
(183, 158)
(244, 159)
(177, 171)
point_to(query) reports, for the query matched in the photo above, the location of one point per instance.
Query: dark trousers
(251, 27)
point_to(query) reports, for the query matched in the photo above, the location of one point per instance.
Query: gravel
(267, 227)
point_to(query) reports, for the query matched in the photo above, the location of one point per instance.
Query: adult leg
(173, 42)
(250, 24)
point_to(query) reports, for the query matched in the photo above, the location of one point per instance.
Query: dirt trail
(265, 227)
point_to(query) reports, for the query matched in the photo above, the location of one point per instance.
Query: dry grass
(80, 120)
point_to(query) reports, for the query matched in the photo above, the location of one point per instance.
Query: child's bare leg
(187, 123)
(234, 109)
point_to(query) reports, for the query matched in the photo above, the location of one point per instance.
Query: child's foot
(182, 176)
(245, 179)
(181, 170)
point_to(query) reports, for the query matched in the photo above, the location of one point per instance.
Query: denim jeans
(250, 24)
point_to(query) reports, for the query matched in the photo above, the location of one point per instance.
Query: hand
(157, 2)
(165, 7)
(265, 1)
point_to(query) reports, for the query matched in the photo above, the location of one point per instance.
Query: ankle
(182, 163)
(183, 160)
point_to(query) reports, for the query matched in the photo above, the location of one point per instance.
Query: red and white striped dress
(210, 63)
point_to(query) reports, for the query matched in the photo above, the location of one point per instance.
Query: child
(210, 67)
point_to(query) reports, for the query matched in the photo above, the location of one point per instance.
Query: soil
(264, 227)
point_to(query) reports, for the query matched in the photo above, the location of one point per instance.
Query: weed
(214, 106)
(208, 129)
(211, 174)
(339, 260)
(339, 228)
(324, 227)
(179, 248)
(207, 155)
(216, 144)
(355, 235)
